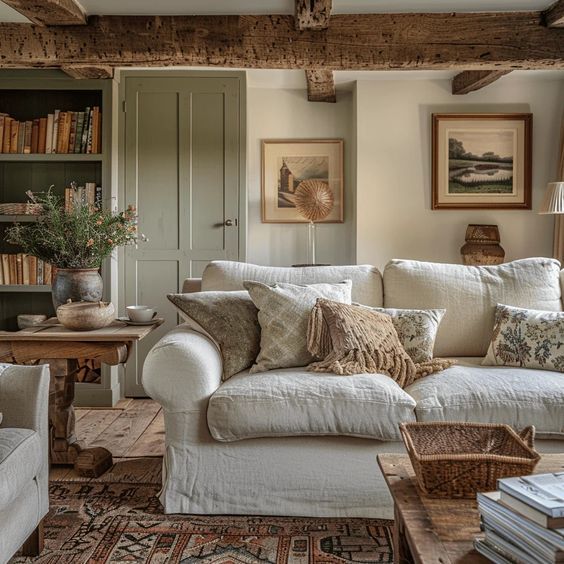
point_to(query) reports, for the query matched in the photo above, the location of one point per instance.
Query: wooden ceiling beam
(49, 12)
(320, 86)
(88, 71)
(471, 41)
(554, 16)
(469, 81)
(312, 14)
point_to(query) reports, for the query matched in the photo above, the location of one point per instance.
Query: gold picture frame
(482, 161)
(286, 162)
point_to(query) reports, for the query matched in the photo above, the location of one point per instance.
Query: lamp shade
(554, 198)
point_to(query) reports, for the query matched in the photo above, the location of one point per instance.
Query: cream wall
(286, 114)
(393, 167)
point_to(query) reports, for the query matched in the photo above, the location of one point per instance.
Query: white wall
(393, 125)
(286, 114)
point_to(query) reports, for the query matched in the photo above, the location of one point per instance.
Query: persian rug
(100, 521)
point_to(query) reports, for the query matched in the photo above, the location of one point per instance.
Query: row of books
(524, 520)
(60, 132)
(25, 269)
(77, 196)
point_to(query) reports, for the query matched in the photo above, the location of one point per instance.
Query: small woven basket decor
(457, 460)
(21, 209)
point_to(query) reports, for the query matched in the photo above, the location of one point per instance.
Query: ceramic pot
(482, 246)
(86, 316)
(77, 284)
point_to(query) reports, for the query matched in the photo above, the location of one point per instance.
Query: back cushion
(470, 294)
(228, 276)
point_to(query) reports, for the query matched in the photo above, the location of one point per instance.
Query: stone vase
(77, 284)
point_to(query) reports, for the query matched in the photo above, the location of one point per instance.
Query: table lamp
(553, 199)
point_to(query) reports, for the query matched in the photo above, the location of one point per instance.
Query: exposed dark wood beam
(471, 41)
(88, 71)
(468, 81)
(554, 16)
(49, 12)
(320, 86)
(312, 14)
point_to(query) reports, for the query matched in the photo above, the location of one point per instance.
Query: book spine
(40, 267)
(21, 137)
(13, 269)
(61, 128)
(15, 125)
(32, 270)
(95, 112)
(47, 273)
(25, 269)
(7, 134)
(6, 268)
(84, 141)
(55, 142)
(98, 198)
(79, 128)
(27, 137)
(89, 135)
(19, 268)
(35, 136)
(1, 274)
(72, 135)
(49, 133)
(99, 147)
(2, 120)
(42, 135)
(90, 194)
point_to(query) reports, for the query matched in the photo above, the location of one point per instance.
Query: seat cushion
(292, 401)
(493, 394)
(20, 462)
(470, 295)
(228, 275)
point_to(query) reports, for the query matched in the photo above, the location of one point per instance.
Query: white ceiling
(203, 7)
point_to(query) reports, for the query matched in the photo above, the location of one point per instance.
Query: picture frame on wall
(482, 161)
(288, 162)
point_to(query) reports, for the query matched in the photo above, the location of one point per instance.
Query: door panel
(182, 172)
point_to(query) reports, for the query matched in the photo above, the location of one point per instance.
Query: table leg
(402, 552)
(65, 447)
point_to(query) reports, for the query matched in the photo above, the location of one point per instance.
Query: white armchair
(24, 458)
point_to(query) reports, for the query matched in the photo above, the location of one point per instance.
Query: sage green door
(182, 158)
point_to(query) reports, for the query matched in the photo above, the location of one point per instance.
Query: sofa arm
(183, 370)
(24, 397)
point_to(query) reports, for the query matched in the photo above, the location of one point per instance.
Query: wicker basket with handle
(457, 460)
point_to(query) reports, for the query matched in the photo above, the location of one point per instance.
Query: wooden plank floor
(134, 428)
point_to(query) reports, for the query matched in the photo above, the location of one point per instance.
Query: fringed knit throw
(355, 340)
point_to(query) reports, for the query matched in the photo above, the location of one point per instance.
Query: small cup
(140, 313)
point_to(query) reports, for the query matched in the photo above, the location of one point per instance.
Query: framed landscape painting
(288, 162)
(482, 161)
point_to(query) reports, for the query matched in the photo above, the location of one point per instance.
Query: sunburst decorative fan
(314, 200)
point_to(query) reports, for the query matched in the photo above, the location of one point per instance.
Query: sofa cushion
(492, 394)
(20, 462)
(470, 294)
(290, 402)
(228, 275)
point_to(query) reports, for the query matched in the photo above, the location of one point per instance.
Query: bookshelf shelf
(17, 218)
(51, 157)
(16, 288)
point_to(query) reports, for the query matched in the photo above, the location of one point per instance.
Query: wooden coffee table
(436, 531)
(50, 343)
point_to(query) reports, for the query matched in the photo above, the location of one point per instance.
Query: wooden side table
(51, 343)
(433, 530)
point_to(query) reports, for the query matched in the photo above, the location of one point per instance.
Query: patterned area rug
(107, 522)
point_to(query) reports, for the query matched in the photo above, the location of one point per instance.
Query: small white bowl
(140, 313)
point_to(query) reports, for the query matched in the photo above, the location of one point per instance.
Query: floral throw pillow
(527, 338)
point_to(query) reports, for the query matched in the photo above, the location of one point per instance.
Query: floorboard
(151, 442)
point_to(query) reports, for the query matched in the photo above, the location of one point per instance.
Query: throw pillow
(229, 319)
(283, 316)
(528, 338)
(364, 341)
(417, 330)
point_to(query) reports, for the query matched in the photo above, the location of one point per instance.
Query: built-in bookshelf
(28, 97)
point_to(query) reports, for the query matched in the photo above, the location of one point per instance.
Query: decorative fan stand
(314, 201)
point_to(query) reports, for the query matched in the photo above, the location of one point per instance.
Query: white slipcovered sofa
(290, 442)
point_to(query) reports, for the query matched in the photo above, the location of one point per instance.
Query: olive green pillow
(229, 319)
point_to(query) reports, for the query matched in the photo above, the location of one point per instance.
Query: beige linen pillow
(229, 319)
(364, 341)
(527, 338)
(283, 316)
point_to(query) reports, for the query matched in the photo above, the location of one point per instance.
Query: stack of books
(89, 194)
(25, 269)
(524, 520)
(61, 132)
